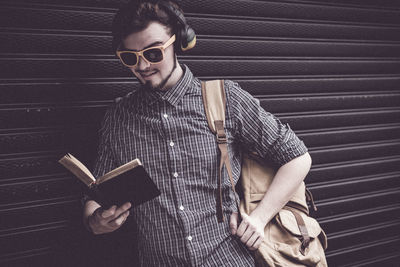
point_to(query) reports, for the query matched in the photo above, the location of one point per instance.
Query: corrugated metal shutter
(329, 68)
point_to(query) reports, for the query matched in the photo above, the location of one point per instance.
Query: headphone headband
(172, 10)
(186, 37)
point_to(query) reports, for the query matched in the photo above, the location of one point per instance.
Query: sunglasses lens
(153, 55)
(129, 59)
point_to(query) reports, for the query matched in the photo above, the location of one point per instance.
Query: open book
(129, 182)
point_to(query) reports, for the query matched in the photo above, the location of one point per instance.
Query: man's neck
(175, 77)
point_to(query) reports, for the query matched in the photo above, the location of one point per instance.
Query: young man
(165, 126)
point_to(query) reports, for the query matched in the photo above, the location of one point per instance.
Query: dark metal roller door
(331, 69)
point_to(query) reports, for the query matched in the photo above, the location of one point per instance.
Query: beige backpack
(292, 237)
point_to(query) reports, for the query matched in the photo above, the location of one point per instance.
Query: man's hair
(136, 15)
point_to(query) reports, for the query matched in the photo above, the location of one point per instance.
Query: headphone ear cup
(191, 38)
(188, 38)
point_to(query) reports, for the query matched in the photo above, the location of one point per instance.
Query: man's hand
(105, 221)
(250, 231)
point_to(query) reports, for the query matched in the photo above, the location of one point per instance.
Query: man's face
(153, 76)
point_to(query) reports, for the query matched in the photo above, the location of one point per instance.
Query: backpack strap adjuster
(220, 132)
(221, 139)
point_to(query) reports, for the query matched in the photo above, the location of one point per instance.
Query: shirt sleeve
(104, 161)
(260, 131)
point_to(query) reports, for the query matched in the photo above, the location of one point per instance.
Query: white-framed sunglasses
(152, 55)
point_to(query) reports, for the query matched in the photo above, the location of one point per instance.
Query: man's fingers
(252, 240)
(121, 209)
(114, 212)
(118, 211)
(105, 221)
(257, 244)
(120, 220)
(233, 222)
(108, 213)
(246, 235)
(243, 225)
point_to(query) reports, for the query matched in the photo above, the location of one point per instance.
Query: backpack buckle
(221, 139)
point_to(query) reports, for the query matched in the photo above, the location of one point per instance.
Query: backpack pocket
(284, 241)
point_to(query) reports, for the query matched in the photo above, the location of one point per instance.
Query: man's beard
(161, 85)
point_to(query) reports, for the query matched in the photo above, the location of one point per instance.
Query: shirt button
(165, 115)
(181, 208)
(171, 143)
(189, 238)
(175, 174)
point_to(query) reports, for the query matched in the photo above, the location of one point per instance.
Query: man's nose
(142, 63)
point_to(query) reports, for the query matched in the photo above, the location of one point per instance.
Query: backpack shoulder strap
(214, 100)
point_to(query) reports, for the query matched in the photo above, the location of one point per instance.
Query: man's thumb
(233, 223)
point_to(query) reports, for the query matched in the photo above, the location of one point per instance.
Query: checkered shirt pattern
(169, 133)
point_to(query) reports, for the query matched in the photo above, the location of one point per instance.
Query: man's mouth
(148, 74)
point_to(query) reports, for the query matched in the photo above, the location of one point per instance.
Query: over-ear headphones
(185, 35)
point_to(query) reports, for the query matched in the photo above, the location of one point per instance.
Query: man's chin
(150, 86)
(156, 87)
(146, 84)
(160, 86)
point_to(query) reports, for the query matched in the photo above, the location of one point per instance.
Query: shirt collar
(174, 94)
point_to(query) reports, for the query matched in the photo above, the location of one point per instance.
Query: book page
(121, 169)
(77, 168)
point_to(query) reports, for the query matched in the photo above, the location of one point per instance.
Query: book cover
(127, 183)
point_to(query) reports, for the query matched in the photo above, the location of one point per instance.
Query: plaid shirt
(168, 132)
